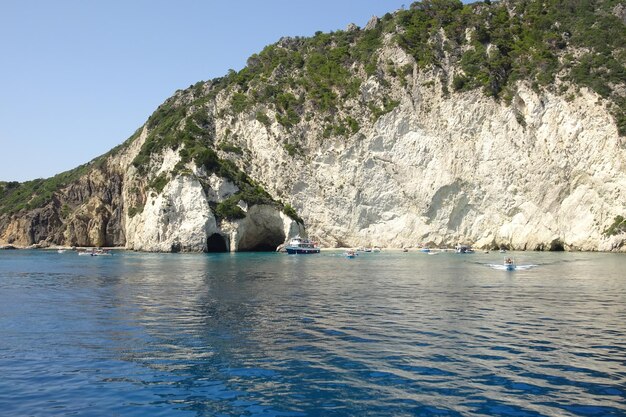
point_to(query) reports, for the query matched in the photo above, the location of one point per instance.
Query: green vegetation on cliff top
(490, 46)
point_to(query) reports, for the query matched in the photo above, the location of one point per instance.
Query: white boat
(299, 245)
(464, 249)
(61, 251)
(95, 252)
(350, 254)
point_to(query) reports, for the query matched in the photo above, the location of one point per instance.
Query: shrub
(263, 118)
(229, 210)
(291, 212)
(239, 103)
(158, 183)
(206, 158)
(229, 147)
(352, 124)
(133, 211)
(618, 227)
(292, 149)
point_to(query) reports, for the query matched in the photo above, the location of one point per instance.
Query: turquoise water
(265, 334)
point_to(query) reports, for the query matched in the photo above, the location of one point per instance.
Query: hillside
(495, 124)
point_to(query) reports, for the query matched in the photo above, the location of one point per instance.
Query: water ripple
(271, 335)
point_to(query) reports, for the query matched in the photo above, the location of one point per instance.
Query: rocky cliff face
(87, 212)
(541, 173)
(407, 156)
(99, 209)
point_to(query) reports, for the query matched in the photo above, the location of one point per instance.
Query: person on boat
(508, 261)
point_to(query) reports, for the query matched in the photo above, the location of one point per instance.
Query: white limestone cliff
(546, 171)
(180, 219)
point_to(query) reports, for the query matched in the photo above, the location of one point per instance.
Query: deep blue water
(388, 334)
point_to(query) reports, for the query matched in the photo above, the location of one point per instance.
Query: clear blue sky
(78, 77)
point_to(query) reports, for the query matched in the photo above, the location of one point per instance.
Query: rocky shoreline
(619, 248)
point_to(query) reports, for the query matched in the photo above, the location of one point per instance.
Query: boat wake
(501, 267)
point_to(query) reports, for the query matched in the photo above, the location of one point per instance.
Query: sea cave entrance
(266, 242)
(216, 243)
(263, 231)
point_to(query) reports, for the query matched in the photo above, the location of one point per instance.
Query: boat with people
(300, 245)
(509, 264)
(95, 252)
(350, 254)
(464, 249)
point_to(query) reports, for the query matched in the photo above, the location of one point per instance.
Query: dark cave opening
(556, 246)
(216, 243)
(262, 247)
(262, 240)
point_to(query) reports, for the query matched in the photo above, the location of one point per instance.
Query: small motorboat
(350, 254)
(464, 249)
(509, 264)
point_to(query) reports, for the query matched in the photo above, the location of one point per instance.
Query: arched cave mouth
(268, 242)
(216, 243)
(262, 239)
(556, 246)
(263, 247)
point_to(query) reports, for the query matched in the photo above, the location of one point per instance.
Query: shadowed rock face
(88, 212)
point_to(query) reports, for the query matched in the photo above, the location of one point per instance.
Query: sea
(270, 334)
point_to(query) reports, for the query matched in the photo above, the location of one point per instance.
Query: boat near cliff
(95, 252)
(299, 245)
(509, 264)
(464, 249)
